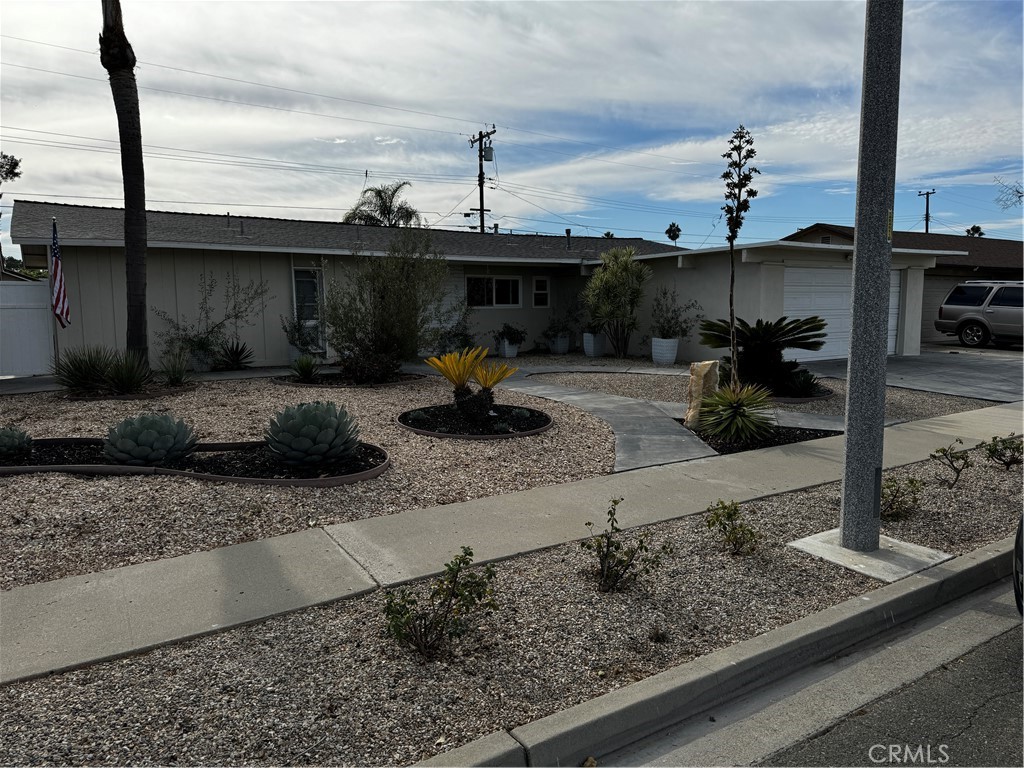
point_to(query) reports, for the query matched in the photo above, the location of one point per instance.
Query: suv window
(1008, 297)
(968, 295)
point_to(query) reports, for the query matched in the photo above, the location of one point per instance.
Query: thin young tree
(738, 194)
(118, 58)
(673, 232)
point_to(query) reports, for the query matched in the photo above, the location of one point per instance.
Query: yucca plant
(128, 374)
(306, 369)
(83, 370)
(232, 355)
(458, 367)
(312, 434)
(175, 368)
(149, 439)
(738, 414)
(14, 442)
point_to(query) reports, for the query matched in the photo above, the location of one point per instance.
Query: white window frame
(319, 272)
(510, 278)
(546, 292)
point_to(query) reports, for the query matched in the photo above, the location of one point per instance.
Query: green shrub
(149, 439)
(312, 434)
(739, 536)
(175, 368)
(803, 383)
(760, 349)
(306, 369)
(455, 598)
(620, 564)
(233, 355)
(305, 337)
(14, 442)
(900, 499)
(612, 295)
(1008, 451)
(369, 366)
(738, 415)
(670, 319)
(129, 373)
(510, 333)
(83, 370)
(953, 460)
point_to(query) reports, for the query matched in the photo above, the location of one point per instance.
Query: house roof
(31, 224)
(972, 251)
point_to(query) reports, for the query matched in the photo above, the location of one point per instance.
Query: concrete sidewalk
(79, 620)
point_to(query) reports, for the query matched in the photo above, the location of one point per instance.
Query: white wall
(26, 329)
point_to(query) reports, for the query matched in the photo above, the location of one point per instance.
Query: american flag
(60, 296)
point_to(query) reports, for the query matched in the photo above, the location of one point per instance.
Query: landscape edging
(610, 722)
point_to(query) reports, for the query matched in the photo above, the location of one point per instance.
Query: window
(493, 292)
(307, 293)
(968, 296)
(1008, 297)
(541, 292)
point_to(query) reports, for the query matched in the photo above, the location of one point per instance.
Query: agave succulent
(311, 434)
(149, 439)
(14, 442)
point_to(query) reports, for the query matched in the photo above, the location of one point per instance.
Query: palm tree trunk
(118, 59)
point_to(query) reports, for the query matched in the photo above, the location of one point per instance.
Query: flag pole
(53, 316)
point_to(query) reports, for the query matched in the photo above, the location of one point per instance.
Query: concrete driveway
(996, 375)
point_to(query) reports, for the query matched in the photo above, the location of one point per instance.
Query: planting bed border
(451, 435)
(797, 400)
(124, 469)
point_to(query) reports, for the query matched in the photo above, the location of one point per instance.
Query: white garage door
(827, 292)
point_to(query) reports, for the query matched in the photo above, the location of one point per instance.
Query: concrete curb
(608, 723)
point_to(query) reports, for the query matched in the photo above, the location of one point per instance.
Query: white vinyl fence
(26, 329)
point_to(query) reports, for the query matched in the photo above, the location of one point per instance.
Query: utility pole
(927, 214)
(483, 153)
(872, 259)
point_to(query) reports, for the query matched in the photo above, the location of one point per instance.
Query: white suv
(978, 310)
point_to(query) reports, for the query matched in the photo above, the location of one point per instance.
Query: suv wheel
(972, 335)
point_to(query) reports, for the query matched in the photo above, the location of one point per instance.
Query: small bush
(83, 370)
(738, 414)
(619, 564)
(900, 499)
(1008, 451)
(953, 460)
(455, 598)
(232, 355)
(14, 442)
(306, 369)
(128, 374)
(740, 537)
(175, 368)
(803, 383)
(367, 366)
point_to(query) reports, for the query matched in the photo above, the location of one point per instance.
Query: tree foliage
(613, 294)
(9, 167)
(673, 232)
(738, 194)
(1010, 194)
(381, 207)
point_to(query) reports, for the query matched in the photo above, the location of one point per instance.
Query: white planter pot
(508, 350)
(560, 345)
(664, 351)
(593, 344)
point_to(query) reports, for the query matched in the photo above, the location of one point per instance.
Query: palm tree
(975, 231)
(380, 207)
(673, 232)
(608, 235)
(118, 59)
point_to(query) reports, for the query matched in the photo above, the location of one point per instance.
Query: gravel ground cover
(325, 686)
(56, 525)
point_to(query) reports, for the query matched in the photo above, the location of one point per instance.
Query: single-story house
(523, 279)
(966, 258)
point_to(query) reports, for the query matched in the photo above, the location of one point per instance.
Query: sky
(607, 116)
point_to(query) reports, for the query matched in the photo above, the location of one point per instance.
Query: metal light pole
(872, 259)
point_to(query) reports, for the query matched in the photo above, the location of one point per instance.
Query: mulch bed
(778, 436)
(448, 421)
(250, 461)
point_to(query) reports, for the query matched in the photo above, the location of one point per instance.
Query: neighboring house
(967, 258)
(507, 278)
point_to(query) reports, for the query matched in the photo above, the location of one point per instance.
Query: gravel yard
(57, 525)
(325, 686)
